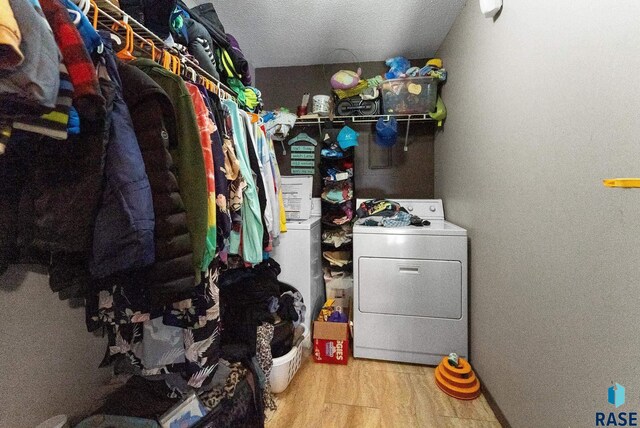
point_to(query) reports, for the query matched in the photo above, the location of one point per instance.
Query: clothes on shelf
(338, 210)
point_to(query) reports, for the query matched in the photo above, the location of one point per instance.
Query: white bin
(285, 367)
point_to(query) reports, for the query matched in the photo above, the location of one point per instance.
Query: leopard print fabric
(210, 399)
(265, 359)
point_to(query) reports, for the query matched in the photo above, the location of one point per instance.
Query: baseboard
(494, 405)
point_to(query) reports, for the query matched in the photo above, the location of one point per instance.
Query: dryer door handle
(409, 269)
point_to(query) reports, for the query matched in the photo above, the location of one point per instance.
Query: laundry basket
(285, 367)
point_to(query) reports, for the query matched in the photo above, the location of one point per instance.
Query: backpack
(240, 62)
(230, 60)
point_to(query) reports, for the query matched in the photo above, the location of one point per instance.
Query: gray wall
(48, 360)
(543, 104)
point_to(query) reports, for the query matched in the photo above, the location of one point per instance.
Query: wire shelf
(363, 119)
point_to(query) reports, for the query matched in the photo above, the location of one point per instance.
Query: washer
(410, 288)
(299, 254)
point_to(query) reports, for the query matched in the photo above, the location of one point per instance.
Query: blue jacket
(124, 228)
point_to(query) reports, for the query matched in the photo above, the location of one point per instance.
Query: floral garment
(125, 314)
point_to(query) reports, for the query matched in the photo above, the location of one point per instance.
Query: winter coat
(33, 86)
(154, 122)
(124, 231)
(187, 156)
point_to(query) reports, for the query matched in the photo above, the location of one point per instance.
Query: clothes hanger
(176, 65)
(77, 16)
(184, 72)
(153, 47)
(84, 5)
(116, 38)
(125, 54)
(94, 21)
(207, 84)
(166, 60)
(171, 62)
(189, 73)
(302, 137)
(254, 118)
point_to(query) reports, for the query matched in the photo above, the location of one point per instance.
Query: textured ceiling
(298, 32)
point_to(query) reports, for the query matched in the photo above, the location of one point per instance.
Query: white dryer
(410, 288)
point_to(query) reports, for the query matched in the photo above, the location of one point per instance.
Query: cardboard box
(331, 339)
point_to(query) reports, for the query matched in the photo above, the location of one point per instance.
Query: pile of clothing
(336, 167)
(386, 213)
(338, 209)
(259, 317)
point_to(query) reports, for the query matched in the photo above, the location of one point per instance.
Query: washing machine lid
(311, 222)
(308, 224)
(437, 227)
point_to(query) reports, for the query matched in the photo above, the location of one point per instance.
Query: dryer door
(422, 288)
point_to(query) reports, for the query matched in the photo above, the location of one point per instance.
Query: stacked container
(338, 210)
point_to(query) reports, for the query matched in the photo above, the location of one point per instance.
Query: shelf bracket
(406, 135)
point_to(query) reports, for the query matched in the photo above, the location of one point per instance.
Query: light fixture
(489, 8)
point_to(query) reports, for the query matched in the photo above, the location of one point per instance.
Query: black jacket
(49, 194)
(155, 127)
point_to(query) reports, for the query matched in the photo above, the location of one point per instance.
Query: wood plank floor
(369, 393)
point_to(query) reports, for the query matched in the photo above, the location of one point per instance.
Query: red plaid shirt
(87, 97)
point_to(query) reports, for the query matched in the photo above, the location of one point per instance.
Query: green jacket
(187, 156)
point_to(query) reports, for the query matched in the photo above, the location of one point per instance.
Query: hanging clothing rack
(104, 15)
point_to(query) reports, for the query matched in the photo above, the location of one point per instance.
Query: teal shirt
(252, 230)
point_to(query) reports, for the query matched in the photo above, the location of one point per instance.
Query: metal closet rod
(107, 9)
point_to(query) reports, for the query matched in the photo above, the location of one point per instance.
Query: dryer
(410, 288)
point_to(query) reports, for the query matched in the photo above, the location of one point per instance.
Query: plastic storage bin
(285, 367)
(413, 95)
